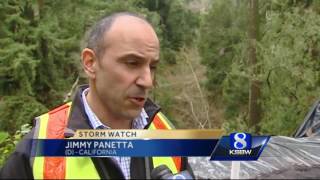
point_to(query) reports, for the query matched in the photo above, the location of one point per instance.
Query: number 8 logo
(240, 141)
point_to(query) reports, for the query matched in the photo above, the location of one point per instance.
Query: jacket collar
(78, 118)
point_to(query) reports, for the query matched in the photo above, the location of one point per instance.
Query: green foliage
(222, 46)
(17, 66)
(3, 136)
(8, 143)
(18, 110)
(291, 68)
(288, 59)
(221, 31)
(178, 25)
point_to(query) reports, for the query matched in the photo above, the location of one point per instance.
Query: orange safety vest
(52, 126)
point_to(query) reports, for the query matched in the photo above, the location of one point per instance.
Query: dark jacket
(18, 164)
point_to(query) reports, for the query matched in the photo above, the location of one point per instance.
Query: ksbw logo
(240, 144)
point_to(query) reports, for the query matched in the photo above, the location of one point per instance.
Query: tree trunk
(40, 8)
(254, 93)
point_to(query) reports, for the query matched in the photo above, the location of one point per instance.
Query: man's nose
(145, 79)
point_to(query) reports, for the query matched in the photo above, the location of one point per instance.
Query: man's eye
(132, 63)
(153, 67)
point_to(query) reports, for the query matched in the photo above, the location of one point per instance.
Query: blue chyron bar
(236, 146)
(239, 147)
(124, 147)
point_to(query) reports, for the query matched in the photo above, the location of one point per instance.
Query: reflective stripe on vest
(173, 163)
(52, 125)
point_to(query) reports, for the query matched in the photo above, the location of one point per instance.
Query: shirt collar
(138, 123)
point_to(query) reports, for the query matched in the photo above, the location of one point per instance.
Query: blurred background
(238, 65)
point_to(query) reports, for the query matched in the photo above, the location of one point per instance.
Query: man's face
(125, 71)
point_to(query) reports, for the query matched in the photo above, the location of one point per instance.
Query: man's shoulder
(24, 146)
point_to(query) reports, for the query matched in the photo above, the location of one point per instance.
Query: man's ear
(89, 62)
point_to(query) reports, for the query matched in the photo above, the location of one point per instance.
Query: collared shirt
(138, 123)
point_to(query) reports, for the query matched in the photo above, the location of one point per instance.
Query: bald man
(120, 60)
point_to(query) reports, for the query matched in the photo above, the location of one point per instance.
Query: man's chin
(134, 113)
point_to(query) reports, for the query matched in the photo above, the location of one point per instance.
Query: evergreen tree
(178, 25)
(17, 65)
(288, 61)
